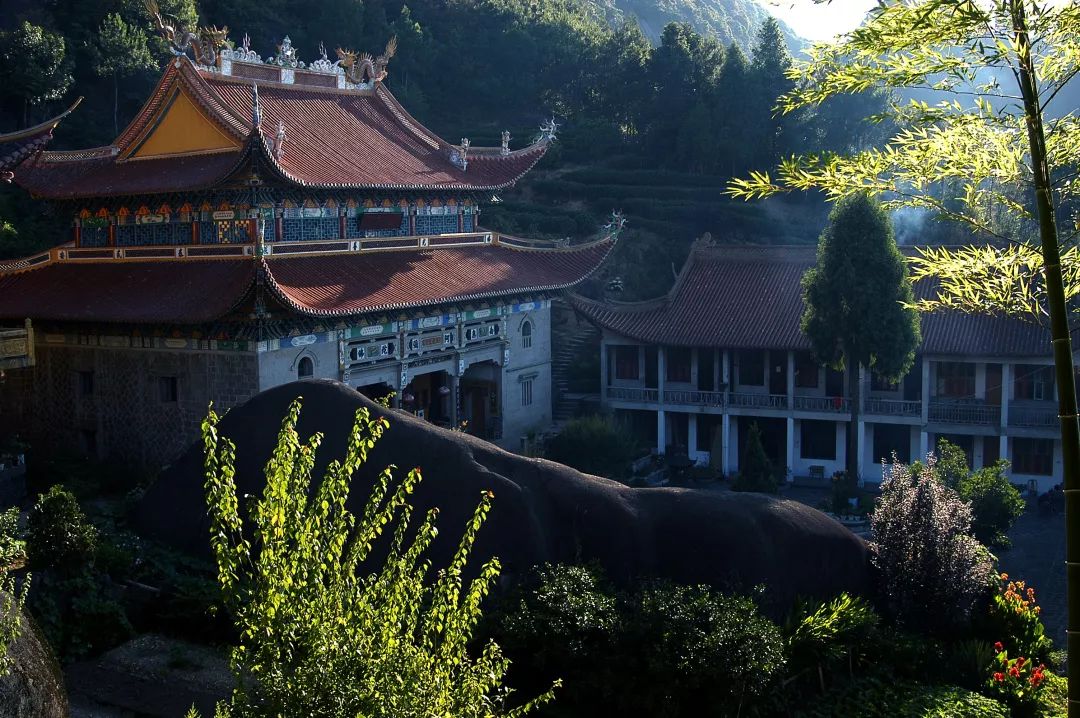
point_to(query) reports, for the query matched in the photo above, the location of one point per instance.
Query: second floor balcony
(964, 411)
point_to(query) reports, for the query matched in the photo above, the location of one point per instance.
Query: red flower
(999, 677)
(1014, 672)
(999, 647)
(1020, 662)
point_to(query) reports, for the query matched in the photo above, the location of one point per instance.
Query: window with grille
(955, 379)
(526, 392)
(1034, 382)
(1033, 456)
(526, 335)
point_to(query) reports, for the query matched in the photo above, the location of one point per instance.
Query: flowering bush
(932, 570)
(1015, 681)
(1015, 616)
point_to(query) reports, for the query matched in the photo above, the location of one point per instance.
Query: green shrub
(932, 571)
(593, 445)
(58, 534)
(327, 627)
(876, 697)
(755, 471)
(835, 631)
(695, 651)
(995, 503)
(80, 615)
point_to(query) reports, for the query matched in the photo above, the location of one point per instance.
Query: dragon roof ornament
(204, 42)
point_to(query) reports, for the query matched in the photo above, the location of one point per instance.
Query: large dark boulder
(543, 511)
(34, 687)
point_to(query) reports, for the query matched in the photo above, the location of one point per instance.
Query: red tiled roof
(743, 297)
(325, 285)
(127, 292)
(16, 147)
(339, 139)
(334, 139)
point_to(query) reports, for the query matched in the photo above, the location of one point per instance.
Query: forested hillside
(727, 20)
(654, 131)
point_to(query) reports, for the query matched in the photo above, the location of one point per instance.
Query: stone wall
(120, 402)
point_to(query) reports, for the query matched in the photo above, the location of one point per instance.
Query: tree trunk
(855, 404)
(1059, 338)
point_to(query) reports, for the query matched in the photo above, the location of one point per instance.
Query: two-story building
(724, 350)
(266, 220)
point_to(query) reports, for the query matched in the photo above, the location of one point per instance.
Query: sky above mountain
(818, 22)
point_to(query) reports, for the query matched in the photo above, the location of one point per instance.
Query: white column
(725, 444)
(455, 397)
(925, 398)
(1006, 395)
(861, 448)
(977, 452)
(661, 417)
(1003, 448)
(661, 431)
(605, 379)
(691, 438)
(790, 381)
(980, 380)
(790, 447)
(733, 446)
(725, 369)
(924, 445)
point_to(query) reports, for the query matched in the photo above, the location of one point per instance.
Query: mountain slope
(727, 20)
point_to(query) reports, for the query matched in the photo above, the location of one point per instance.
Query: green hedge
(884, 698)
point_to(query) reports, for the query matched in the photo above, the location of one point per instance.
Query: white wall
(534, 362)
(279, 366)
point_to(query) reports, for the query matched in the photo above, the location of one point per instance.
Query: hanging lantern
(444, 390)
(408, 398)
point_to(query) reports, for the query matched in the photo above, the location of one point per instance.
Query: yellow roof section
(181, 128)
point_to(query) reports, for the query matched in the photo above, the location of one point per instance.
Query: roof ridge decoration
(204, 42)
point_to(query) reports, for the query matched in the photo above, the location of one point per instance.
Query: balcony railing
(692, 396)
(834, 404)
(893, 407)
(1033, 417)
(957, 412)
(629, 393)
(757, 401)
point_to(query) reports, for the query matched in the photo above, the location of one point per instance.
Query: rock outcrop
(34, 687)
(543, 511)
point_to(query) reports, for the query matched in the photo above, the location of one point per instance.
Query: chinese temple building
(261, 221)
(693, 370)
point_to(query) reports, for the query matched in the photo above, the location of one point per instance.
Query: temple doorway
(480, 405)
(377, 391)
(429, 397)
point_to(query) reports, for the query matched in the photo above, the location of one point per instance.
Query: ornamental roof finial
(279, 140)
(548, 130)
(506, 142)
(256, 111)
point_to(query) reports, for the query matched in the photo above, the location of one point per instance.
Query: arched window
(526, 335)
(305, 369)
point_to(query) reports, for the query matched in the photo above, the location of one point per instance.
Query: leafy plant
(1013, 618)
(325, 628)
(830, 633)
(883, 697)
(593, 445)
(1015, 681)
(756, 471)
(59, 536)
(932, 570)
(995, 503)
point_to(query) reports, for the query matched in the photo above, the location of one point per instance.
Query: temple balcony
(972, 412)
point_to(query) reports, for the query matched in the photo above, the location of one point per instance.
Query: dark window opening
(818, 440)
(626, 363)
(86, 383)
(955, 380)
(168, 389)
(806, 371)
(1033, 456)
(752, 368)
(678, 365)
